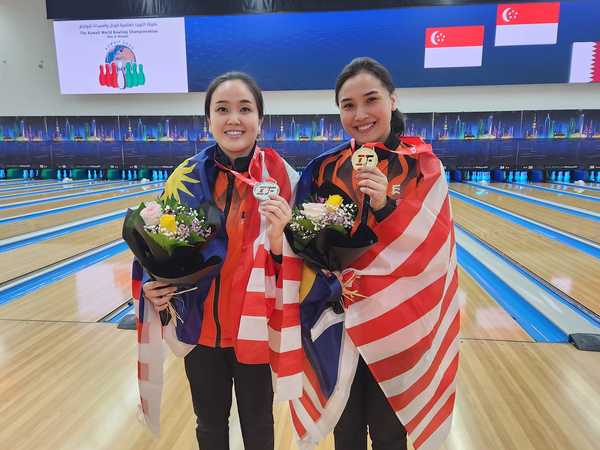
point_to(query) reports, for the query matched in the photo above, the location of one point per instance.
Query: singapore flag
(585, 63)
(454, 47)
(527, 23)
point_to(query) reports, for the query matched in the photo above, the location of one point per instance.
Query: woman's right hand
(159, 294)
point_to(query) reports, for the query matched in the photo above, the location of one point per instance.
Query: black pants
(368, 407)
(211, 373)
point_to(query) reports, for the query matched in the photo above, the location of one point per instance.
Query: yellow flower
(167, 221)
(334, 202)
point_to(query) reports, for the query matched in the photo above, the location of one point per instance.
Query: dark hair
(246, 79)
(378, 70)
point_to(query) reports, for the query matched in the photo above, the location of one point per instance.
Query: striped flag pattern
(270, 323)
(406, 328)
(269, 327)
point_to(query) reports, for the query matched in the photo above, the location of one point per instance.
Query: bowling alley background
(512, 101)
(490, 140)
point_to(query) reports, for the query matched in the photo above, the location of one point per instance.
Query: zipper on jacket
(228, 198)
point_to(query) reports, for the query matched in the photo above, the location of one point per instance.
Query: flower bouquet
(172, 241)
(325, 233)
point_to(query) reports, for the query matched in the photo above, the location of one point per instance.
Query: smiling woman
(234, 108)
(219, 319)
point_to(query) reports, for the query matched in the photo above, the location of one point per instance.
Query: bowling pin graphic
(128, 80)
(141, 76)
(113, 75)
(121, 83)
(102, 76)
(134, 75)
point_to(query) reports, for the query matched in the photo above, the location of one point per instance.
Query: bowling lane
(86, 296)
(39, 223)
(29, 258)
(575, 189)
(578, 226)
(53, 192)
(557, 197)
(10, 212)
(481, 317)
(571, 271)
(39, 184)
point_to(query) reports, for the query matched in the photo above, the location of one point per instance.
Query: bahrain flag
(454, 46)
(527, 23)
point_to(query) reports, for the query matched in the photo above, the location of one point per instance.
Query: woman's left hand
(278, 213)
(372, 182)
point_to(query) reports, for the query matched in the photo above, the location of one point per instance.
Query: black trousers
(211, 373)
(368, 407)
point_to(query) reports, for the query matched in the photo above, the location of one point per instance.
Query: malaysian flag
(269, 328)
(405, 327)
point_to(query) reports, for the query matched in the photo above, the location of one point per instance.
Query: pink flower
(151, 214)
(313, 211)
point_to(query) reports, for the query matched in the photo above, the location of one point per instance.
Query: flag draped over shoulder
(404, 323)
(269, 330)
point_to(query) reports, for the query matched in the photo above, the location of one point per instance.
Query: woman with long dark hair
(226, 321)
(396, 341)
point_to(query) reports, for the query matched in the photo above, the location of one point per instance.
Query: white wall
(29, 84)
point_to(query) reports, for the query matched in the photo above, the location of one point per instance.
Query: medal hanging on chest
(261, 190)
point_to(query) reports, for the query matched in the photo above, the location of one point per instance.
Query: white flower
(151, 213)
(313, 211)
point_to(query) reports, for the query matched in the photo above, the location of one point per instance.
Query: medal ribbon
(250, 181)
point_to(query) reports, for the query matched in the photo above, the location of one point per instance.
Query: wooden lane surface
(66, 190)
(39, 223)
(482, 317)
(578, 226)
(22, 260)
(515, 396)
(575, 189)
(73, 386)
(8, 184)
(556, 197)
(72, 201)
(18, 189)
(573, 272)
(86, 296)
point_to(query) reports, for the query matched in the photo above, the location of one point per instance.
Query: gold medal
(364, 157)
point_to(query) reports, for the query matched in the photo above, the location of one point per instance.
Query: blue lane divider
(117, 318)
(60, 232)
(580, 186)
(577, 308)
(73, 195)
(535, 324)
(531, 225)
(39, 185)
(43, 279)
(78, 206)
(559, 192)
(65, 188)
(522, 197)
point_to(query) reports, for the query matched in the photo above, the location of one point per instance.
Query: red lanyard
(400, 150)
(250, 181)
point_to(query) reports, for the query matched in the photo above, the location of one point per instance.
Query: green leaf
(339, 228)
(167, 243)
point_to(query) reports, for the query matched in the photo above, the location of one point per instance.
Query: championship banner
(125, 56)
